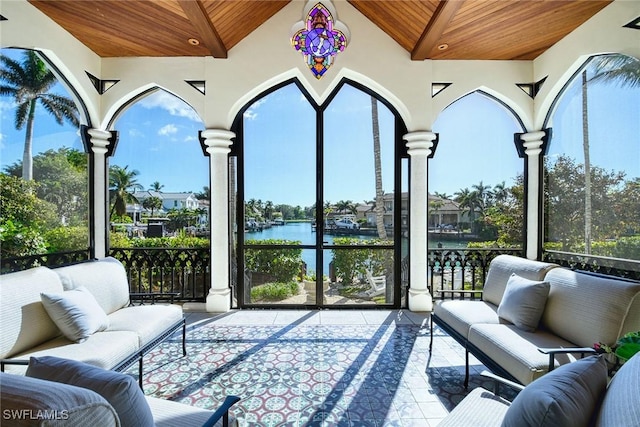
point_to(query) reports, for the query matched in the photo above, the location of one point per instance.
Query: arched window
(158, 175)
(593, 162)
(476, 176)
(44, 206)
(315, 229)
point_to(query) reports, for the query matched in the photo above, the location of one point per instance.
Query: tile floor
(315, 368)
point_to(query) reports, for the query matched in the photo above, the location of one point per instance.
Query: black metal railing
(183, 272)
(57, 259)
(625, 268)
(461, 269)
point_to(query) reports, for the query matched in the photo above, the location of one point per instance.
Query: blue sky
(158, 137)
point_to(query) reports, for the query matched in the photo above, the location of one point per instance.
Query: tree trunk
(382, 232)
(27, 157)
(587, 166)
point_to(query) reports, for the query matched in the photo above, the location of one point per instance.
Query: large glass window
(593, 162)
(476, 176)
(158, 175)
(44, 198)
(319, 191)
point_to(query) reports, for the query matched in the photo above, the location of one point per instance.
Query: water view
(305, 234)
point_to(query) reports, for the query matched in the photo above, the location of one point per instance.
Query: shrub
(275, 291)
(282, 264)
(18, 240)
(628, 247)
(119, 239)
(62, 239)
(352, 263)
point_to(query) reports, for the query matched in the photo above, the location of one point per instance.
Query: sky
(158, 138)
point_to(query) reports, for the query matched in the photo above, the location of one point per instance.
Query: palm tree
(482, 195)
(377, 163)
(156, 186)
(268, 209)
(152, 203)
(618, 68)
(205, 194)
(500, 192)
(122, 184)
(465, 198)
(29, 82)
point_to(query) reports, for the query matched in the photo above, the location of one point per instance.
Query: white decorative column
(218, 142)
(532, 143)
(419, 145)
(100, 140)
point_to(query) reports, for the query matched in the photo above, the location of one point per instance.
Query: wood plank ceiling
(426, 29)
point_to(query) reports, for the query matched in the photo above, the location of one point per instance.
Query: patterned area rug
(317, 375)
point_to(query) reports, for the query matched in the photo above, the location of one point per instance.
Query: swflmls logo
(35, 414)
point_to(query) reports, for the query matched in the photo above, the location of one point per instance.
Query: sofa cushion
(157, 319)
(523, 302)
(75, 312)
(104, 349)
(480, 408)
(566, 396)
(500, 271)
(51, 404)
(25, 323)
(620, 405)
(585, 309)
(516, 350)
(461, 314)
(106, 279)
(120, 390)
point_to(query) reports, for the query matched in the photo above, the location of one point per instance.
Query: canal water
(305, 234)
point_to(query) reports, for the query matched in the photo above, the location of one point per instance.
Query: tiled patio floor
(315, 368)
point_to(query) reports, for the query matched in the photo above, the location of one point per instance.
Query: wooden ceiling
(426, 29)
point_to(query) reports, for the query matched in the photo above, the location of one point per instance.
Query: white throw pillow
(76, 313)
(523, 302)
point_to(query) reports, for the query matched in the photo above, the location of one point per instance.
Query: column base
(420, 300)
(218, 301)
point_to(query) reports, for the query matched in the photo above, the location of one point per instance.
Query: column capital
(532, 142)
(218, 140)
(100, 140)
(419, 142)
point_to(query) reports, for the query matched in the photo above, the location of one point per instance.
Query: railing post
(218, 143)
(419, 146)
(99, 143)
(532, 143)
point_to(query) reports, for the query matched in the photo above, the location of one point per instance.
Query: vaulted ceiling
(426, 29)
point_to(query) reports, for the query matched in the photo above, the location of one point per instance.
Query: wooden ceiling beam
(438, 23)
(197, 14)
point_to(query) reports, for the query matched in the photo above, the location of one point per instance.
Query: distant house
(441, 211)
(169, 201)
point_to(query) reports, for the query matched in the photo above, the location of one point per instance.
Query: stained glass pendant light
(319, 37)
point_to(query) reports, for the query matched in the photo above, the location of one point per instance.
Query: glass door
(316, 227)
(278, 250)
(358, 199)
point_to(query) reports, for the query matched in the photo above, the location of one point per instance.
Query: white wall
(266, 57)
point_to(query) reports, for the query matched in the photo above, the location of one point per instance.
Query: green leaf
(627, 350)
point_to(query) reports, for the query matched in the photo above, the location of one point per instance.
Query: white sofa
(128, 333)
(579, 310)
